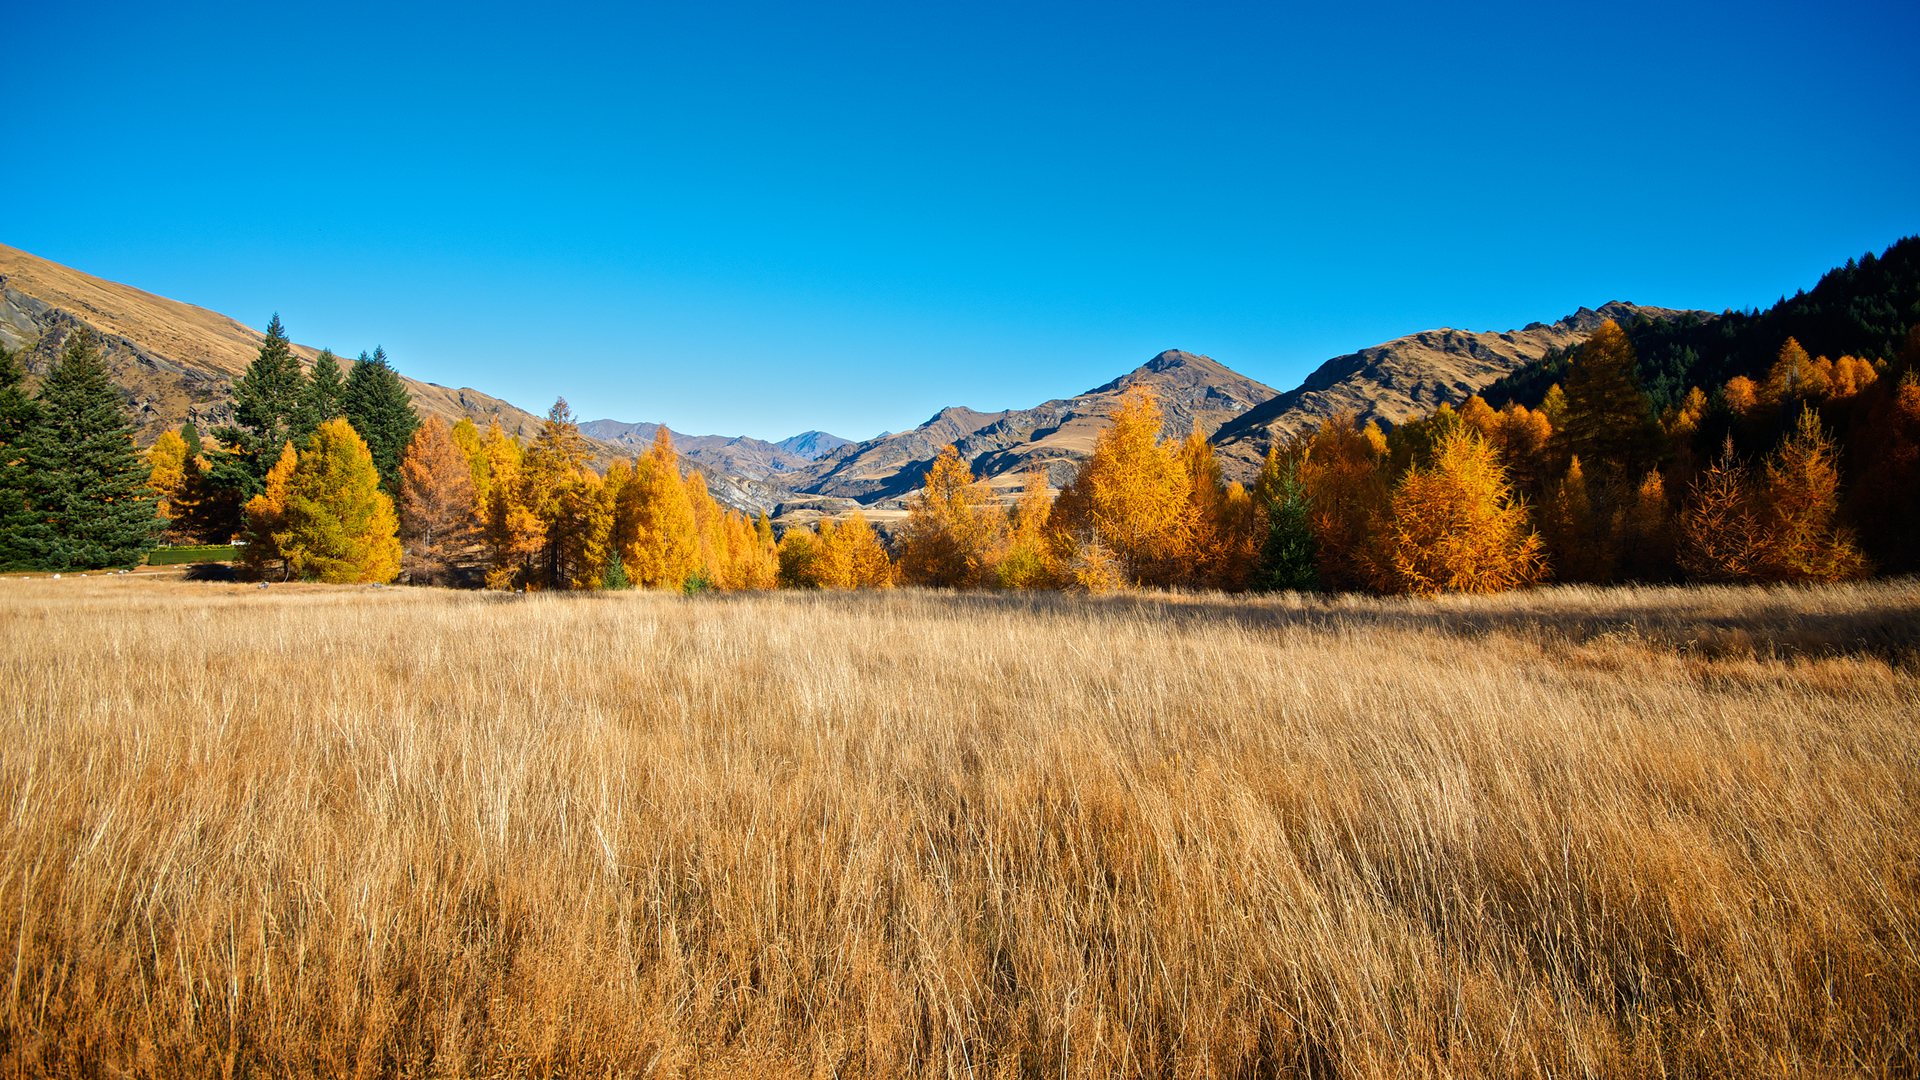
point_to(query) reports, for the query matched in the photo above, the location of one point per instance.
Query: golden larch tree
(340, 526)
(1609, 422)
(1720, 535)
(1800, 500)
(654, 527)
(265, 517)
(1342, 474)
(1023, 562)
(1133, 496)
(1457, 526)
(947, 536)
(437, 514)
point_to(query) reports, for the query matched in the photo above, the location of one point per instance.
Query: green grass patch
(173, 556)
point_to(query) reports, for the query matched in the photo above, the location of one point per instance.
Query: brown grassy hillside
(334, 831)
(175, 361)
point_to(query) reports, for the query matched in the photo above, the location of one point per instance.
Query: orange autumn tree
(1799, 501)
(946, 540)
(1342, 474)
(1023, 562)
(655, 529)
(437, 517)
(265, 518)
(1720, 535)
(1223, 541)
(851, 556)
(339, 525)
(1456, 526)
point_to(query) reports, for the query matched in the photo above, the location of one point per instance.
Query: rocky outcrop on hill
(1195, 392)
(1407, 378)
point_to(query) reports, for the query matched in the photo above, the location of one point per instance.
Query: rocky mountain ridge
(1195, 392)
(1407, 378)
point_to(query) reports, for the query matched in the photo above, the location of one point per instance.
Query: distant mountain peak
(812, 445)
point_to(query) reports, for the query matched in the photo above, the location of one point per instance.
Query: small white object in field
(262, 585)
(56, 577)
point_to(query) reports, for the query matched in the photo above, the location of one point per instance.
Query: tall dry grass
(406, 833)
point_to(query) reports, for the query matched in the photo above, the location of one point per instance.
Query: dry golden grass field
(333, 831)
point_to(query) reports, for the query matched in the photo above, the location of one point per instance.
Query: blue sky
(758, 219)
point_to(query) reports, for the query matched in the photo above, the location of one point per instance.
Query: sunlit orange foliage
(1023, 563)
(437, 516)
(1347, 495)
(1742, 396)
(655, 529)
(1850, 376)
(850, 556)
(266, 517)
(1801, 497)
(1133, 496)
(1721, 538)
(949, 533)
(1221, 542)
(1457, 526)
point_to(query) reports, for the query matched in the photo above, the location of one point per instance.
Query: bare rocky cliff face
(1407, 378)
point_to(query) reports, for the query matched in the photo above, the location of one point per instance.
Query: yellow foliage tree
(340, 526)
(654, 525)
(1132, 497)
(947, 537)
(1457, 525)
(172, 479)
(799, 559)
(1801, 497)
(1023, 564)
(265, 517)
(1341, 472)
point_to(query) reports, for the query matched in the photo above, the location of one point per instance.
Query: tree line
(333, 476)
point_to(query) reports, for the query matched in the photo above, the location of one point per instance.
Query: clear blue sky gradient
(758, 219)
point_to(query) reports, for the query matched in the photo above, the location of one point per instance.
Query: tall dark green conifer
(323, 397)
(266, 412)
(377, 404)
(1609, 419)
(89, 484)
(18, 418)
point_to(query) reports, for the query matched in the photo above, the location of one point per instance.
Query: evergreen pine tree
(615, 576)
(19, 416)
(1288, 555)
(321, 399)
(89, 484)
(377, 404)
(266, 413)
(1609, 420)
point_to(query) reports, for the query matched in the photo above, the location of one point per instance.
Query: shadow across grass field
(316, 830)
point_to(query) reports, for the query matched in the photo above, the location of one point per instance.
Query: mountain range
(176, 362)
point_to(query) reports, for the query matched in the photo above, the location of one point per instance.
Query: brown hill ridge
(1407, 378)
(176, 362)
(1195, 392)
